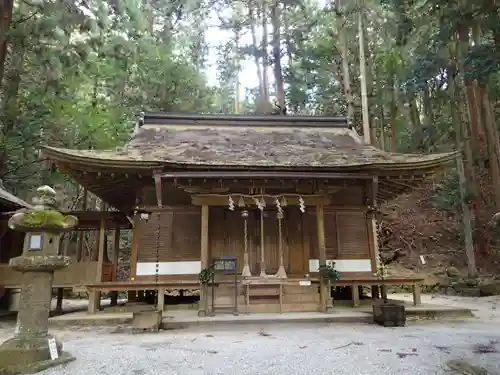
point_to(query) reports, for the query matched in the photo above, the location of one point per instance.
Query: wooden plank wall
(179, 235)
(346, 229)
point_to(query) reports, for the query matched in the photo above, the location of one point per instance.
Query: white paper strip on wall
(168, 268)
(344, 265)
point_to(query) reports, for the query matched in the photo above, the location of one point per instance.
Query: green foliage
(206, 275)
(45, 218)
(446, 194)
(328, 272)
(77, 73)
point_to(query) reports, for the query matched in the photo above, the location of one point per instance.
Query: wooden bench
(355, 283)
(267, 289)
(122, 286)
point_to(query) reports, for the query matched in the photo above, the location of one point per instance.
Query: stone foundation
(26, 355)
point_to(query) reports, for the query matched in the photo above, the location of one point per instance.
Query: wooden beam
(157, 178)
(222, 200)
(266, 174)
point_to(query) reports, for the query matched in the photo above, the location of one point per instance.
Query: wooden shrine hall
(281, 195)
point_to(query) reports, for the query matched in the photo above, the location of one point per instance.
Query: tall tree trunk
(10, 103)
(460, 132)
(491, 135)
(290, 51)
(478, 113)
(278, 73)
(341, 21)
(237, 75)
(5, 21)
(382, 129)
(253, 19)
(362, 71)
(415, 119)
(265, 57)
(393, 115)
(473, 126)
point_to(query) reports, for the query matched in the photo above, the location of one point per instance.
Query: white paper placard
(53, 349)
(422, 259)
(305, 283)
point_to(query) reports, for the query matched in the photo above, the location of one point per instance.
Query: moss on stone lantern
(32, 349)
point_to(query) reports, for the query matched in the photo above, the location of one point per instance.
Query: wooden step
(262, 308)
(226, 300)
(263, 292)
(301, 307)
(301, 298)
(227, 290)
(288, 289)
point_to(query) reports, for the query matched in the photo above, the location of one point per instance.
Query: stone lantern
(32, 348)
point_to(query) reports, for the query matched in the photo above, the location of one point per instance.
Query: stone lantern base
(28, 351)
(27, 355)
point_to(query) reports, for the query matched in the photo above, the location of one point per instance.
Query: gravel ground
(420, 348)
(308, 349)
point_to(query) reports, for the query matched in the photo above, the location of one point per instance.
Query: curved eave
(68, 157)
(428, 163)
(11, 201)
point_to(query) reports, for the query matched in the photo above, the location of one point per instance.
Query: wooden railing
(76, 274)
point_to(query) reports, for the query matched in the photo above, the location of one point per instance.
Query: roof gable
(271, 141)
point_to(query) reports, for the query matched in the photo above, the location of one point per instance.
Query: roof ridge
(162, 118)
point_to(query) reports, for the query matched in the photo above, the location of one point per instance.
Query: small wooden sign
(305, 282)
(227, 265)
(53, 349)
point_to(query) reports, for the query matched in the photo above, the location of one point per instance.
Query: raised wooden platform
(188, 318)
(261, 295)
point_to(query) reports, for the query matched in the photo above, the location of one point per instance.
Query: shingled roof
(10, 201)
(236, 142)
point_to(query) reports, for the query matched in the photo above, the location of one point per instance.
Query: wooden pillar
(246, 266)
(320, 223)
(116, 252)
(383, 292)
(373, 241)
(133, 254)
(161, 299)
(94, 295)
(375, 292)
(262, 250)
(202, 311)
(131, 296)
(141, 296)
(81, 235)
(417, 298)
(355, 295)
(60, 294)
